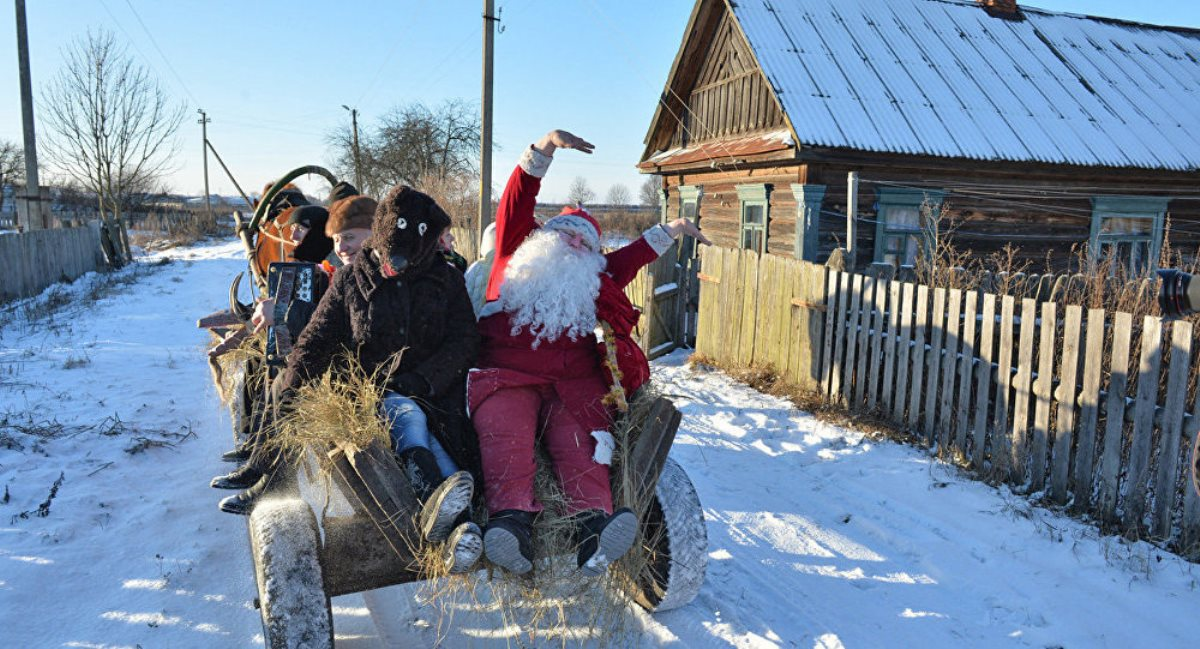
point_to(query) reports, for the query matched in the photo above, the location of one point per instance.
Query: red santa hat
(576, 220)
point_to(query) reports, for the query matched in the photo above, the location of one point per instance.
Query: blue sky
(273, 75)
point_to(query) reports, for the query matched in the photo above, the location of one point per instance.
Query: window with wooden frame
(901, 234)
(755, 214)
(689, 207)
(1128, 230)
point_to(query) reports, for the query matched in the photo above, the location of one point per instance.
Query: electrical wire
(154, 42)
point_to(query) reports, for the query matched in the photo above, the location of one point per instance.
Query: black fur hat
(316, 246)
(406, 229)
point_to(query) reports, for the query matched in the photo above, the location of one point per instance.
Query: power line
(682, 102)
(161, 54)
(129, 37)
(387, 58)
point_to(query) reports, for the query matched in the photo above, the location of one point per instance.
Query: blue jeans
(410, 429)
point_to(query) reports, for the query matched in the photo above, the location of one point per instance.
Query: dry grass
(158, 231)
(341, 409)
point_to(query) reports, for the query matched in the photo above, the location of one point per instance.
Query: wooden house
(1018, 126)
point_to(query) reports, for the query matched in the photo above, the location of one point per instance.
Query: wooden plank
(1002, 432)
(864, 340)
(1114, 413)
(782, 312)
(839, 335)
(1040, 440)
(706, 305)
(748, 306)
(983, 377)
(962, 423)
(852, 320)
(829, 333)
(903, 353)
(887, 383)
(764, 298)
(1140, 447)
(730, 307)
(1064, 425)
(919, 356)
(1167, 475)
(949, 357)
(878, 327)
(1019, 441)
(1089, 409)
(1189, 532)
(933, 362)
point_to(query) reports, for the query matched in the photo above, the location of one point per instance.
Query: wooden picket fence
(33, 260)
(1083, 407)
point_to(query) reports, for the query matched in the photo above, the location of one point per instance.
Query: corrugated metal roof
(944, 78)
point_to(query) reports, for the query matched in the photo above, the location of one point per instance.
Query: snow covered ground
(818, 536)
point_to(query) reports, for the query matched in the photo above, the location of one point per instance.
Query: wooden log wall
(1042, 218)
(720, 208)
(36, 259)
(1082, 408)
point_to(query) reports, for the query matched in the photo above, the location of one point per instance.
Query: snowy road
(817, 535)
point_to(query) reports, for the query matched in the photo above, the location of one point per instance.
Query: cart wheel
(291, 591)
(678, 543)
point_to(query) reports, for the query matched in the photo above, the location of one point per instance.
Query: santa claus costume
(541, 375)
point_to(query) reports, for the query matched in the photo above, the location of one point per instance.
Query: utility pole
(485, 130)
(851, 218)
(35, 215)
(203, 122)
(357, 160)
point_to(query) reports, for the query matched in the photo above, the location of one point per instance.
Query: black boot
(238, 455)
(507, 540)
(243, 502)
(242, 477)
(421, 467)
(603, 539)
(442, 501)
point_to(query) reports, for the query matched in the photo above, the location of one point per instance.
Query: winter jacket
(424, 313)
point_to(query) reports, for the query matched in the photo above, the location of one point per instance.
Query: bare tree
(111, 128)
(12, 167)
(413, 145)
(651, 191)
(580, 193)
(618, 194)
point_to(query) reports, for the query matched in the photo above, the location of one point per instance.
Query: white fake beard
(551, 288)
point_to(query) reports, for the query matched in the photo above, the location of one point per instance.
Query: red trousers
(510, 422)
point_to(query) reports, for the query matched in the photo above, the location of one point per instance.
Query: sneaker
(441, 509)
(604, 539)
(242, 477)
(507, 540)
(463, 548)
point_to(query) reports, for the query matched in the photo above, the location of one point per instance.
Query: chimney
(1007, 9)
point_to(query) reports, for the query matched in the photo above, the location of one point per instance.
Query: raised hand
(684, 226)
(560, 139)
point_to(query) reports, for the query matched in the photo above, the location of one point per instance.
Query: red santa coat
(573, 367)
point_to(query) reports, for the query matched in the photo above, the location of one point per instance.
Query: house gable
(716, 90)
